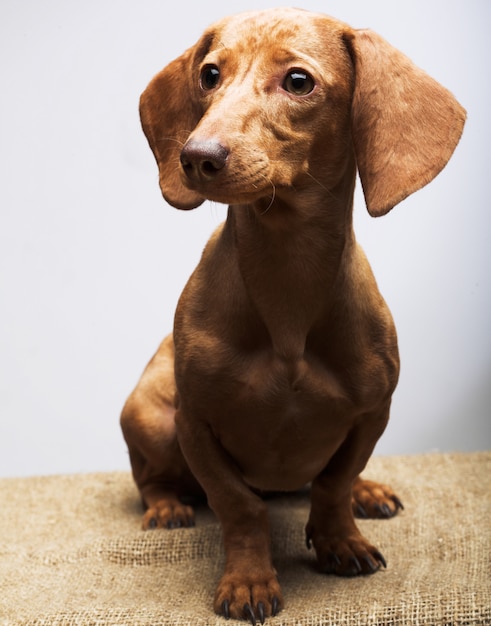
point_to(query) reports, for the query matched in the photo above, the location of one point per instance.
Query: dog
(283, 358)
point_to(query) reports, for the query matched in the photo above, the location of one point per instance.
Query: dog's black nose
(202, 160)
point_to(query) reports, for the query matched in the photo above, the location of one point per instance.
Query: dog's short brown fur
(285, 354)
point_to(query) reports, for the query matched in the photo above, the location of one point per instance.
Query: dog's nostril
(186, 163)
(205, 158)
(210, 168)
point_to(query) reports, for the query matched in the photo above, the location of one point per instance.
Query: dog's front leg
(340, 547)
(249, 588)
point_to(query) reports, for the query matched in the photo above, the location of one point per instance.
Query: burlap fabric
(72, 554)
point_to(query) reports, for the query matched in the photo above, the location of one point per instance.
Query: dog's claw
(398, 503)
(260, 612)
(152, 524)
(386, 510)
(356, 567)
(335, 561)
(380, 557)
(275, 606)
(360, 512)
(380, 511)
(373, 568)
(172, 524)
(226, 609)
(249, 614)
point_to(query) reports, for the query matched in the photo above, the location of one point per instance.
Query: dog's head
(274, 100)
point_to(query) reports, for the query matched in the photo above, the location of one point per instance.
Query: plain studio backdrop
(92, 260)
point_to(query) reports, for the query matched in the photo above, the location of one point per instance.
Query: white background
(92, 260)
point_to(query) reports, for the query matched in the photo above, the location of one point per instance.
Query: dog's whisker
(273, 196)
(175, 139)
(326, 189)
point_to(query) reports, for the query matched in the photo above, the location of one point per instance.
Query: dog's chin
(223, 194)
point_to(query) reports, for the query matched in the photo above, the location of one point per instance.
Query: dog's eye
(210, 75)
(298, 82)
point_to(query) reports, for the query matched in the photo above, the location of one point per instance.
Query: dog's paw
(168, 514)
(344, 556)
(248, 597)
(374, 500)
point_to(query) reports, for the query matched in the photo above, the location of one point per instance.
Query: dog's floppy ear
(169, 111)
(405, 125)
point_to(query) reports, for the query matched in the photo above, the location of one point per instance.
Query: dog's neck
(289, 256)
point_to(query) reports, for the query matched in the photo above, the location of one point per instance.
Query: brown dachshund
(284, 354)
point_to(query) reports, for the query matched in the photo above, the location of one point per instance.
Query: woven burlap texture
(72, 554)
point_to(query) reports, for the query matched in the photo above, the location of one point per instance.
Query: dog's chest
(283, 421)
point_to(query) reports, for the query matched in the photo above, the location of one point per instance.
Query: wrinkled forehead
(284, 34)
